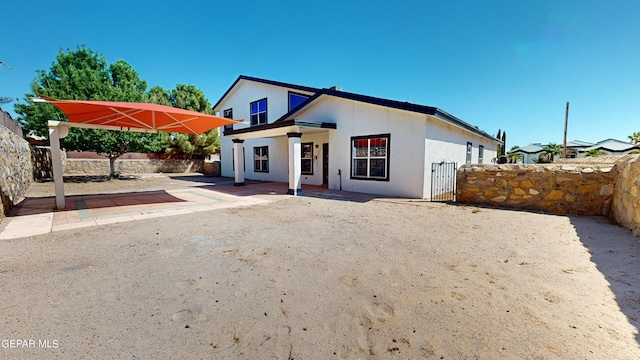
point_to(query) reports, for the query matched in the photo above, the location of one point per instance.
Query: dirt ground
(313, 278)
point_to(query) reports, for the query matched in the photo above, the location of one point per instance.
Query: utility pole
(566, 122)
(5, 99)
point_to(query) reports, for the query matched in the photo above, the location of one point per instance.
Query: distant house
(341, 140)
(610, 147)
(532, 153)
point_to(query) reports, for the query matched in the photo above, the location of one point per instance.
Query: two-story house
(344, 141)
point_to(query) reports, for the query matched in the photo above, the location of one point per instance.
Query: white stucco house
(340, 140)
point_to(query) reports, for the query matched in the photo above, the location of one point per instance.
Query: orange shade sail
(144, 116)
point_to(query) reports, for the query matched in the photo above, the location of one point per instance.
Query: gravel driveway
(321, 278)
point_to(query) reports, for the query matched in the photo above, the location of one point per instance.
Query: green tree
(83, 74)
(190, 98)
(594, 152)
(552, 150)
(504, 143)
(513, 156)
(635, 137)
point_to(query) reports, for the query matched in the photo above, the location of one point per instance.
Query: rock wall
(212, 168)
(7, 121)
(556, 188)
(85, 166)
(626, 201)
(158, 165)
(141, 166)
(41, 159)
(76, 166)
(16, 170)
(603, 185)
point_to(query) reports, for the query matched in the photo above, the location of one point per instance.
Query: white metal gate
(443, 181)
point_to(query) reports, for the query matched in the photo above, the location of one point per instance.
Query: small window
(480, 153)
(228, 114)
(469, 147)
(259, 112)
(370, 157)
(307, 158)
(261, 159)
(296, 99)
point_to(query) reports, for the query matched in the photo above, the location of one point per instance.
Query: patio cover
(120, 116)
(131, 116)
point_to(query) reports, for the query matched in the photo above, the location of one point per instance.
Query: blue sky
(509, 65)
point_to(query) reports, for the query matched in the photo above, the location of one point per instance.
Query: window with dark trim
(469, 148)
(258, 111)
(306, 158)
(261, 159)
(296, 99)
(370, 157)
(228, 114)
(480, 153)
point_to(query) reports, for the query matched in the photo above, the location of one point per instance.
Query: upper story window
(259, 112)
(296, 99)
(228, 114)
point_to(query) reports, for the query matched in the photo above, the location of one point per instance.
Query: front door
(325, 164)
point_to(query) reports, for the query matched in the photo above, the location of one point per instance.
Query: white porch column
(295, 166)
(57, 132)
(238, 160)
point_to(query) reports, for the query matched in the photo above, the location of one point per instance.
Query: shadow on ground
(41, 205)
(616, 254)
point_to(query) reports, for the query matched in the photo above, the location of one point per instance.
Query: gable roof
(579, 143)
(422, 109)
(611, 145)
(529, 149)
(264, 81)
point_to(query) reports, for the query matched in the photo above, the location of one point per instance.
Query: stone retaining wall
(86, 166)
(15, 169)
(212, 168)
(93, 166)
(158, 165)
(626, 200)
(606, 185)
(555, 188)
(101, 166)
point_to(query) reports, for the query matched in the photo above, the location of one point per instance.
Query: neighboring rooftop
(611, 145)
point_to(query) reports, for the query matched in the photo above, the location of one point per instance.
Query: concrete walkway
(35, 216)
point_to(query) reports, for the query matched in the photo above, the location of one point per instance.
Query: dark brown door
(325, 164)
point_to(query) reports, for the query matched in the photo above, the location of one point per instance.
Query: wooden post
(566, 122)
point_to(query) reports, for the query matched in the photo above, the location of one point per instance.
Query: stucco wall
(556, 188)
(416, 141)
(16, 170)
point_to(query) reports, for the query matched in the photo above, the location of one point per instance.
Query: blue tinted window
(296, 99)
(259, 112)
